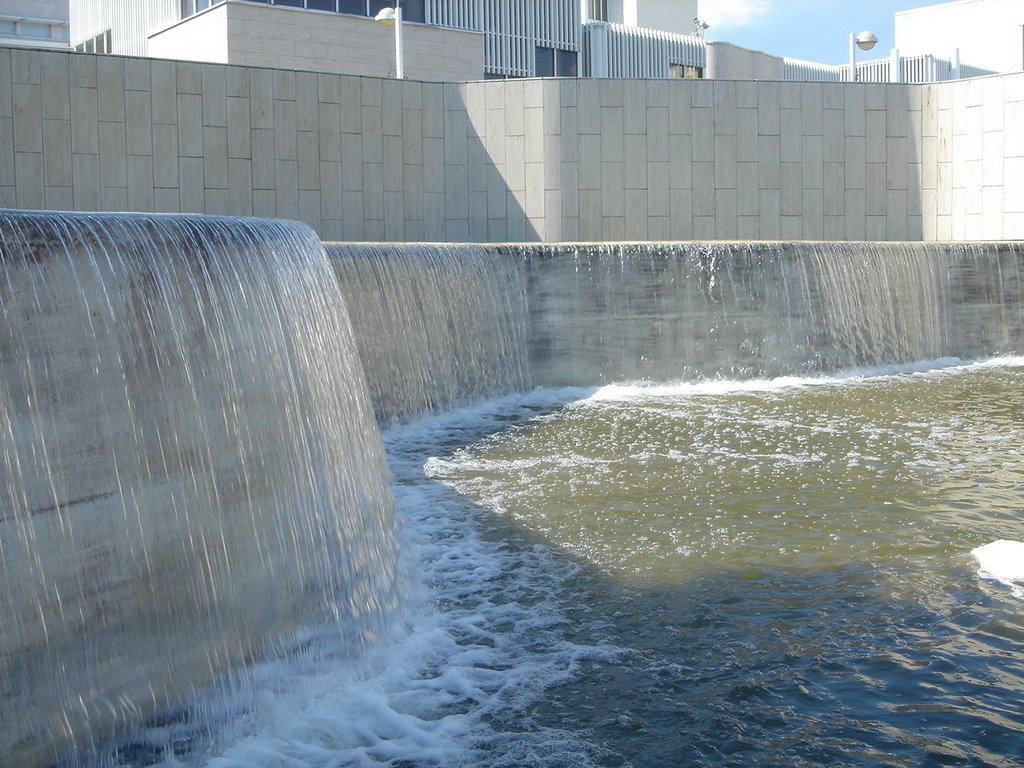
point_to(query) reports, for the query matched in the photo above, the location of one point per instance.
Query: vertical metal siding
(130, 21)
(513, 29)
(646, 53)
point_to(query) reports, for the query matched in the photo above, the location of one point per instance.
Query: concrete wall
(257, 35)
(660, 159)
(732, 62)
(36, 9)
(369, 159)
(973, 152)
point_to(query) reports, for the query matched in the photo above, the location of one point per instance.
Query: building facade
(528, 38)
(987, 33)
(35, 23)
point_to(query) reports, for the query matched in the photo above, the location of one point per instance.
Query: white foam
(1002, 561)
(941, 366)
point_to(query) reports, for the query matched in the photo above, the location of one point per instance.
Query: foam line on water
(631, 391)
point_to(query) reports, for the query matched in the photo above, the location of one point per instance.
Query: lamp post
(392, 17)
(865, 41)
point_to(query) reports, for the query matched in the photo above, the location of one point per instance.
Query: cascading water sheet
(604, 313)
(189, 467)
(437, 325)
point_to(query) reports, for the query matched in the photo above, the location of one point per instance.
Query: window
(192, 7)
(99, 44)
(565, 64)
(685, 71)
(412, 10)
(598, 10)
(545, 62)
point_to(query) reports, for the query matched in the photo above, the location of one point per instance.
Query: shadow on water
(858, 663)
(788, 667)
(558, 664)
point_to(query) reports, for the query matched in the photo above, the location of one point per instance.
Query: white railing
(966, 70)
(913, 69)
(797, 69)
(615, 50)
(461, 14)
(513, 31)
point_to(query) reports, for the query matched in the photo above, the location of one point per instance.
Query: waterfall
(659, 311)
(436, 324)
(189, 466)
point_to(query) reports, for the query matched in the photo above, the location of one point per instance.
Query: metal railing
(912, 69)
(615, 50)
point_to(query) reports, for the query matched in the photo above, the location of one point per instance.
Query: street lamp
(392, 17)
(865, 41)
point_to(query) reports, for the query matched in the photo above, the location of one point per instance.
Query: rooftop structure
(485, 39)
(36, 23)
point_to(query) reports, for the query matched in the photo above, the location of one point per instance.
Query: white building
(676, 16)
(446, 39)
(37, 23)
(987, 33)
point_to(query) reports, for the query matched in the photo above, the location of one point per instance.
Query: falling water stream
(189, 467)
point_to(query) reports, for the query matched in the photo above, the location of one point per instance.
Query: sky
(815, 30)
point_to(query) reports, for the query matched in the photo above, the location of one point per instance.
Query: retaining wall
(362, 158)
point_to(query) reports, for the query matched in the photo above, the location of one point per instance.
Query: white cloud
(731, 13)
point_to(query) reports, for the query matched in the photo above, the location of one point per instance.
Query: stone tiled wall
(558, 160)
(625, 159)
(972, 137)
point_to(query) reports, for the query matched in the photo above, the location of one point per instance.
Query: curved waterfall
(189, 466)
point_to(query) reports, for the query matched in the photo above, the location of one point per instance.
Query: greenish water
(783, 567)
(737, 573)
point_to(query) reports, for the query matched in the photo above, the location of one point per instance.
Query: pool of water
(783, 566)
(768, 573)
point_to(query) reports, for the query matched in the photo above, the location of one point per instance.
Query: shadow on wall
(366, 159)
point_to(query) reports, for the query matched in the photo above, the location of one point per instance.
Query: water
(437, 325)
(767, 564)
(784, 567)
(189, 467)
(774, 572)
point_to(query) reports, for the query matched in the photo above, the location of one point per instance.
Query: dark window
(599, 10)
(289, 3)
(352, 6)
(413, 10)
(685, 71)
(565, 64)
(377, 5)
(101, 43)
(322, 5)
(545, 62)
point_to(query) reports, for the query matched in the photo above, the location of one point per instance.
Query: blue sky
(816, 30)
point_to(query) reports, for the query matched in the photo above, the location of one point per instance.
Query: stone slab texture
(362, 158)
